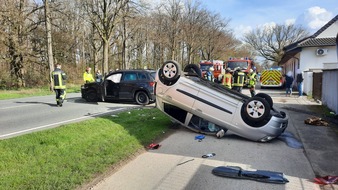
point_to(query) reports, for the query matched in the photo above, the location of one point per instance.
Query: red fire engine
(244, 63)
(217, 64)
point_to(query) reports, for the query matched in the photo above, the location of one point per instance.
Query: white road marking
(16, 106)
(53, 124)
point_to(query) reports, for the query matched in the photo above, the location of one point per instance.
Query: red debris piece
(153, 146)
(326, 180)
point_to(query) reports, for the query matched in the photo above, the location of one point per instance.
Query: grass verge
(71, 155)
(28, 92)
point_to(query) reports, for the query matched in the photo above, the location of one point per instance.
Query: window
(142, 76)
(129, 77)
(116, 78)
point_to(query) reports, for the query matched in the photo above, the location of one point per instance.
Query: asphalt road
(26, 115)
(178, 163)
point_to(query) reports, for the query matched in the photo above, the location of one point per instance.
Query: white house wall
(310, 60)
(308, 82)
(330, 32)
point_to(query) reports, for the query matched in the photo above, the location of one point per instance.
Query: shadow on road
(49, 104)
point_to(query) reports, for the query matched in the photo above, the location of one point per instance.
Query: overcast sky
(246, 15)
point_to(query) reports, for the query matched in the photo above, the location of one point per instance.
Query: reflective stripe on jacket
(59, 78)
(252, 79)
(239, 79)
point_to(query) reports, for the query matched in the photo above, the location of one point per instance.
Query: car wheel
(255, 109)
(193, 69)
(91, 96)
(142, 98)
(169, 72)
(266, 97)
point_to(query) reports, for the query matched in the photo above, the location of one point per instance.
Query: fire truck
(217, 64)
(272, 77)
(245, 64)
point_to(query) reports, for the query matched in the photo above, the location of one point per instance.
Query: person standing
(238, 80)
(87, 76)
(209, 75)
(299, 80)
(59, 80)
(98, 76)
(288, 83)
(252, 82)
(227, 79)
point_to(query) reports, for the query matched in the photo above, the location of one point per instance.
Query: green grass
(72, 155)
(28, 92)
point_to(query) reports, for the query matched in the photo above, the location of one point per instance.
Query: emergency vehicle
(244, 63)
(217, 64)
(272, 77)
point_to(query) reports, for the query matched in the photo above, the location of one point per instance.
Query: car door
(112, 86)
(215, 105)
(128, 85)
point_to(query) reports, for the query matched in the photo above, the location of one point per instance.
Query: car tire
(255, 109)
(193, 69)
(91, 96)
(169, 72)
(142, 98)
(266, 97)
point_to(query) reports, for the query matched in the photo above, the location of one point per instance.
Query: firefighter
(87, 76)
(59, 80)
(227, 80)
(252, 82)
(238, 80)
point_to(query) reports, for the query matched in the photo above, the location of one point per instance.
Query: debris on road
(326, 180)
(199, 137)
(209, 155)
(185, 162)
(316, 121)
(258, 175)
(153, 146)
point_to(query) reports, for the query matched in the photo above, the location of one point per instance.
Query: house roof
(310, 41)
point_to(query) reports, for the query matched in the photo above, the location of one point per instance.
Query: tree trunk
(49, 43)
(105, 56)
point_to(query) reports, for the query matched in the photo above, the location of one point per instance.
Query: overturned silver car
(206, 107)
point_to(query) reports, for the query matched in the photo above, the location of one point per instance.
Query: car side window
(129, 77)
(142, 76)
(116, 78)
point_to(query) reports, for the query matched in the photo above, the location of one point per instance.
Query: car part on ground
(258, 175)
(207, 107)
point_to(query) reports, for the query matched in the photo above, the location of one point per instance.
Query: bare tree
(105, 15)
(49, 41)
(17, 24)
(217, 37)
(193, 25)
(270, 41)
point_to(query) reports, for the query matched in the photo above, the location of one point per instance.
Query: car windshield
(241, 64)
(205, 67)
